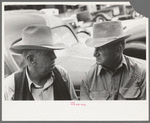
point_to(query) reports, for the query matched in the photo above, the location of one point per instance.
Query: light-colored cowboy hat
(36, 37)
(106, 32)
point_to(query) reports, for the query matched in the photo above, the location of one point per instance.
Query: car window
(116, 11)
(83, 8)
(64, 35)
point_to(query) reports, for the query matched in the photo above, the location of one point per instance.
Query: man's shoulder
(9, 83)
(61, 69)
(93, 70)
(10, 79)
(63, 72)
(138, 64)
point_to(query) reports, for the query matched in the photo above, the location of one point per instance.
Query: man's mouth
(98, 59)
(53, 63)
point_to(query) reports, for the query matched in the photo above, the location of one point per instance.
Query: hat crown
(107, 29)
(37, 35)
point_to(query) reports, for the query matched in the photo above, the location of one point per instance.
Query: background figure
(114, 76)
(40, 79)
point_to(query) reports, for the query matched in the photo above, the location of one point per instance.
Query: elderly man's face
(45, 62)
(104, 55)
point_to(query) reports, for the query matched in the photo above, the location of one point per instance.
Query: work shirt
(128, 82)
(38, 92)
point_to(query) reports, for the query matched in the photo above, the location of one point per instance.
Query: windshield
(64, 35)
(116, 11)
(83, 8)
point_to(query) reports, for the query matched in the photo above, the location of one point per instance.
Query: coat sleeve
(9, 87)
(142, 85)
(67, 79)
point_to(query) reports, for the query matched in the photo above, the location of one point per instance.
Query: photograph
(74, 61)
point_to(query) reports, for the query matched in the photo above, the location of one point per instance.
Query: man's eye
(101, 50)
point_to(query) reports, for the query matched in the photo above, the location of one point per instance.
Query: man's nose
(95, 54)
(54, 55)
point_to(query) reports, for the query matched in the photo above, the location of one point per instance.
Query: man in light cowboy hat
(40, 79)
(114, 76)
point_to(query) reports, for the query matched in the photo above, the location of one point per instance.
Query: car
(107, 13)
(76, 58)
(88, 14)
(136, 43)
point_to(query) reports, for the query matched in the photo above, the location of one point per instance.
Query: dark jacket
(22, 92)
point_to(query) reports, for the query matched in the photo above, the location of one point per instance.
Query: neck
(114, 64)
(36, 78)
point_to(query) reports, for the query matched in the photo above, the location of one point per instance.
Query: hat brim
(19, 48)
(98, 42)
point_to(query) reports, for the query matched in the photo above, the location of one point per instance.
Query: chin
(98, 62)
(53, 67)
(49, 70)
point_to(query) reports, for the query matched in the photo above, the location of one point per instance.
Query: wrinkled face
(45, 62)
(104, 55)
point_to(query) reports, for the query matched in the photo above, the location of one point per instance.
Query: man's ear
(119, 50)
(30, 59)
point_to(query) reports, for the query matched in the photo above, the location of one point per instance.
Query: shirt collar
(99, 69)
(123, 61)
(30, 82)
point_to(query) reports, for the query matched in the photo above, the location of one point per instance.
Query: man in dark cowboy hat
(40, 79)
(114, 76)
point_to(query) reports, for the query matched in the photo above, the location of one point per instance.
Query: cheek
(42, 63)
(45, 62)
(111, 56)
(106, 56)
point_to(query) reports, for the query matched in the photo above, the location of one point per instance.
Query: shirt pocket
(130, 93)
(99, 95)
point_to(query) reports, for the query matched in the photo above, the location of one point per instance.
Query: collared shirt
(128, 82)
(39, 93)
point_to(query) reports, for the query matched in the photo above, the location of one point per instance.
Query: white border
(61, 3)
(63, 110)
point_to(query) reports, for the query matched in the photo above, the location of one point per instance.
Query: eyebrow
(48, 51)
(100, 48)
